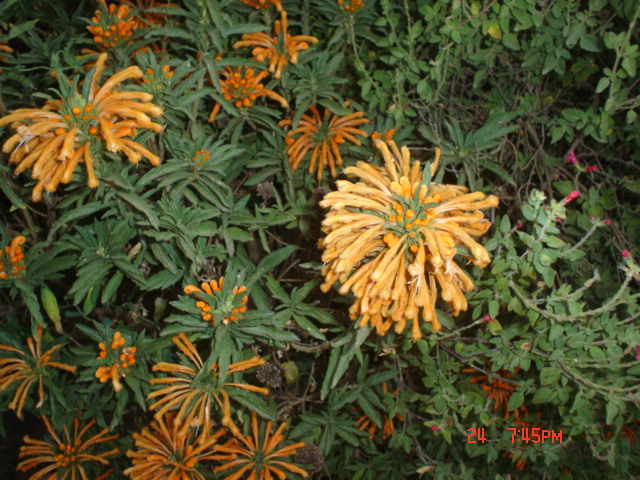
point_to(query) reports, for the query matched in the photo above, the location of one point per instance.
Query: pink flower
(607, 222)
(625, 254)
(571, 158)
(558, 219)
(488, 319)
(434, 428)
(591, 168)
(572, 196)
(519, 225)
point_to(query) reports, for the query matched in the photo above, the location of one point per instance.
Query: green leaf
(142, 206)
(510, 40)
(515, 401)
(603, 84)
(542, 395)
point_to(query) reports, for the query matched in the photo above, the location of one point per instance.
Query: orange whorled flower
(51, 141)
(241, 87)
(12, 266)
(392, 237)
(277, 50)
(230, 309)
(113, 25)
(164, 452)
(27, 369)
(193, 389)
(365, 423)
(256, 456)
(6, 49)
(499, 390)
(148, 18)
(322, 136)
(120, 359)
(263, 4)
(350, 6)
(65, 458)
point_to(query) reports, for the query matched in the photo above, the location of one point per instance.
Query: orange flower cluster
(65, 459)
(277, 50)
(499, 390)
(255, 456)
(263, 4)
(15, 257)
(28, 369)
(242, 87)
(157, 82)
(147, 17)
(126, 356)
(322, 136)
(365, 423)
(350, 5)
(164, 452)
(6, 49)
(392, 237)
(194, 389)
(231, 311)
(199, 159)
(53, 140)
(112, 26)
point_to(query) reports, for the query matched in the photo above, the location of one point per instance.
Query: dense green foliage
(508, 90)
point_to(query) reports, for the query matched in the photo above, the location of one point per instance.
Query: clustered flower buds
(112, 26)
(230, 310)
(241, 86)
(14, 267)
(200, 158)
(350, 6)
(124, 359)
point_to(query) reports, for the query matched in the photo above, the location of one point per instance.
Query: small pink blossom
(488, 319)
(571, 158)
(591, 168)
(625, 253)
(607, 222)
(572, 196)
(519, 225)
(558, 219)
(434, 428)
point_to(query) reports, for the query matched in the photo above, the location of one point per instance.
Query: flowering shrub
(414, 257)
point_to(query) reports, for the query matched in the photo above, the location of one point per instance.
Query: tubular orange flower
(112, 26)
(365, 423)
(4, 48)
(499, 390)
(322, 136)
(146, 16)
(120, 358)
(194, 389)
(278, 50)
(29, 369)
(258, 455)
(263, 4)
(53, 140)
(68, 458)
(230, 309)
(164, 452)
(392, 237)
(242, 87)
(14, 259)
